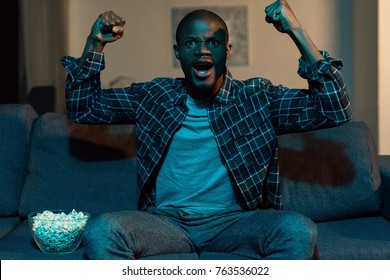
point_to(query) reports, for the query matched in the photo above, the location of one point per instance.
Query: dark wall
(9, 22)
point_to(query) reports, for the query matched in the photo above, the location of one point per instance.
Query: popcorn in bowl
(54, 231)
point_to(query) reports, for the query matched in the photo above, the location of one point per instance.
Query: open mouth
(203, 69)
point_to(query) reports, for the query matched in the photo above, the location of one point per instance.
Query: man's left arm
(283, 18)
(326, 103)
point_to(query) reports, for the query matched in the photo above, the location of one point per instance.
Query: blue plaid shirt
(245, 117)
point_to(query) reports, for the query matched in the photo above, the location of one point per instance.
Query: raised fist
(108, 27)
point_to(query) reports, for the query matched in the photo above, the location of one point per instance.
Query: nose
(202, 49)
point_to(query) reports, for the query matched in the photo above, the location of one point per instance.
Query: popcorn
(58, 231)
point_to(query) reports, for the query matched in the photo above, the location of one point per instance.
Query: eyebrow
(206, 38)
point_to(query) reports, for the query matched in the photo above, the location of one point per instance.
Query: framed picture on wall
(236, 18)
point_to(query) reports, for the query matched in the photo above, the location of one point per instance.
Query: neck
(198, 94)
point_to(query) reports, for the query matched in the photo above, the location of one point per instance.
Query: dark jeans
(259, 234)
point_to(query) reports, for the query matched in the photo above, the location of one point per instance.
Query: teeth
(203, 68)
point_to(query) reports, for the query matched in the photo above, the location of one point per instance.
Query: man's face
(202, 49)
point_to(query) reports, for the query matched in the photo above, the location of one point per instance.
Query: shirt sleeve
(324, 104)
(86, 101)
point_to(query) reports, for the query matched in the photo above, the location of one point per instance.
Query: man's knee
(299, 226)
(301, 232)
(103, 235)
(96, 232)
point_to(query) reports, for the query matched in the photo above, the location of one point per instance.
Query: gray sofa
(333, 176)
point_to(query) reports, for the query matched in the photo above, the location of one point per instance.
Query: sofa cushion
(20, 245)
(365, 238)
(8, 224)
(15, 126)
(331, 173)
(86, 167)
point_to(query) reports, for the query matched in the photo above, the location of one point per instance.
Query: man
(207, 144)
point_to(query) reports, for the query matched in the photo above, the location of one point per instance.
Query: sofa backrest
(15, 126)
(331, 173)
(325, 174)
(89, 168)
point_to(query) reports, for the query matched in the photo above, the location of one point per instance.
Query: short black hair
(201, 14)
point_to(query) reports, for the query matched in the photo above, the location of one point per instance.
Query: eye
(213, 43)
(190, 43)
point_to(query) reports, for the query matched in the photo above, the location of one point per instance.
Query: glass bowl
(57, 231)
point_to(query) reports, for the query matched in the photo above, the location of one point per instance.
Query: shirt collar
(182, 96)
(223, 94)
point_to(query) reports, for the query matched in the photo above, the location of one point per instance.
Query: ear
(176, 50)
(228, 50)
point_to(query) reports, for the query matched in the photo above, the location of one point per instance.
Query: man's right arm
(86, 102)
(107, 28)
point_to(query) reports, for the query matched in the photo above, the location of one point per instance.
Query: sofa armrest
(384, 165)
